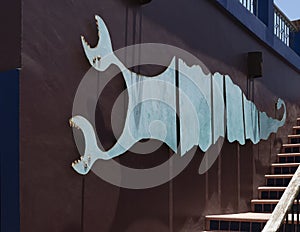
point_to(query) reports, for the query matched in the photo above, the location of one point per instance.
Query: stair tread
(291, 145)
(279, 176)
(293, 136)
(288, 154)
(249, 216)
(285, 164)
(267, 201)
(274, 188)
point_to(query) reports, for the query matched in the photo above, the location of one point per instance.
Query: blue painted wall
(9, 152)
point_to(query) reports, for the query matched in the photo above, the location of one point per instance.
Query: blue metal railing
(261, 23)
(283, 27)
(250, 5)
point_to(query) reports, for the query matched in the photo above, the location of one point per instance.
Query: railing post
(265, 12)
(295, 41)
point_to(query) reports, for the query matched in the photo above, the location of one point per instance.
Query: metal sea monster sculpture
(210, 106)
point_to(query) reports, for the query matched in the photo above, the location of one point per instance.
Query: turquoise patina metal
(234, 112)
(208, 106)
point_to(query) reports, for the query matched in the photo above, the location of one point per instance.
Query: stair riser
(235, 226)
(263, 208)
(289, 159)
(270, 195)
(280, 182)
(284, 170)
(291, 149)
(294, 140)
(216, 225)
(268, 208)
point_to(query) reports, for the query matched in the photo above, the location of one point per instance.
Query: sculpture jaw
(84, 164)
(102, 49)
(81, 166)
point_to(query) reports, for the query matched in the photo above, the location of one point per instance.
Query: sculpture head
(84, 164)
(102, 49)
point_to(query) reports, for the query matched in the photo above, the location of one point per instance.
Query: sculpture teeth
(82, 37)
(72, 124)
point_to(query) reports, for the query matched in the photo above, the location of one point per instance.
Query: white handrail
(284, 204)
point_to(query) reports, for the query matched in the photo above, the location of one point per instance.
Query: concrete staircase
(268, 195)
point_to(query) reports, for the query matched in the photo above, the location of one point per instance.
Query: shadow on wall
(147, 225)
(150, 225)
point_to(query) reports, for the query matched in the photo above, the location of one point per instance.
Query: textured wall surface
(53, 196)
(10, 41)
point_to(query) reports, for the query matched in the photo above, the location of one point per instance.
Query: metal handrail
(285, 203)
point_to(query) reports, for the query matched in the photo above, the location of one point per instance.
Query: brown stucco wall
(53, 196)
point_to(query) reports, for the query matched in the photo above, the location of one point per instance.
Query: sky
(291, 8)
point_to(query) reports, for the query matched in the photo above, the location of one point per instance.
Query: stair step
(285, 168)
(287, 145)
(285, 165)
(296, 129)
(237, 222)
(279, 176)
(271, 188)
(265, 205)
(267, 192)
(288, 154)
(291, 147)
(243, 217)
(265, 201)
(278, 179)
(289, 158)
(293, 136)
